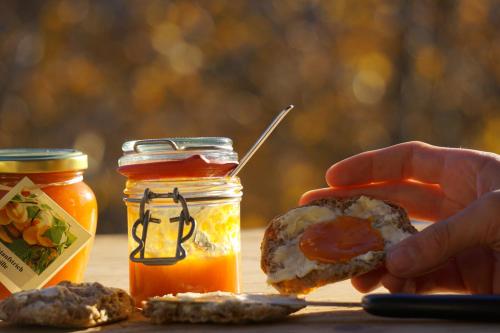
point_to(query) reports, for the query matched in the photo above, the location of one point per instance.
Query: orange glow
(191, 274)
(340, 240)
(77, 200)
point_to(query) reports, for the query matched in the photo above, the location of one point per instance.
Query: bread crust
(333, 272)
(67, 305)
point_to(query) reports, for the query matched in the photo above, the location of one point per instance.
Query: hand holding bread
(330, 240)
(459, 189)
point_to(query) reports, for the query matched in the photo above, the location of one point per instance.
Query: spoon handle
(260, 141)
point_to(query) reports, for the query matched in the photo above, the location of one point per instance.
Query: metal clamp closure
(174, 145)
(184, 219)
(169, 142)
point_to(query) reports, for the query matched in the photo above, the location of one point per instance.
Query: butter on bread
(291, 272)
(219, 307)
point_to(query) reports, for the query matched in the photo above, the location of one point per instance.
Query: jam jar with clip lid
(183, 213)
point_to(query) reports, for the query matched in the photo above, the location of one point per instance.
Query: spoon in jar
(261, 140)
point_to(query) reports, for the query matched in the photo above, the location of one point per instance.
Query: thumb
(478, 224)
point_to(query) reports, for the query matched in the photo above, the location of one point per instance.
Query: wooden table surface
(109, 265)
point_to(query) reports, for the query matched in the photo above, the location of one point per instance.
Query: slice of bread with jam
(330, 240)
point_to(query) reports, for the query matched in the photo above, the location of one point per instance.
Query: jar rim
(199, 189)
(41, 160)
(213, 149)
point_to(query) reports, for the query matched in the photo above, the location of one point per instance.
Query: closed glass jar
(59, 174)
(198, 168)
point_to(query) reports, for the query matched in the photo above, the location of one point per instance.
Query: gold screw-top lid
(34, 160)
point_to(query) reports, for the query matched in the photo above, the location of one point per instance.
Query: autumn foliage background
(362, 74)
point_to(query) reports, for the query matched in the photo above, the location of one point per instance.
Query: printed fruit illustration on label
(37, 237)
(33, 231)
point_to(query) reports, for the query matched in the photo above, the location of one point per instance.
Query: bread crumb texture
(285, 264)
(67, 305)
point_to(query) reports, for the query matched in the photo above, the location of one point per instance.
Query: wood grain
(109, 265)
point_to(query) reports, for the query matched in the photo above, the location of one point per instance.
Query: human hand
(457, 188)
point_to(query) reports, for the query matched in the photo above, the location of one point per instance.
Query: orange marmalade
(59, 174)
(340, 240)
(197, 168)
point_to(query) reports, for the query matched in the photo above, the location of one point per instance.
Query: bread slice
(219, 307)
(291, 272)
(67, 305)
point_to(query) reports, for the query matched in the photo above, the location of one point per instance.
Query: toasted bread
(291, 272)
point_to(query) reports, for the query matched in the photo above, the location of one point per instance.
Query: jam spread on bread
(340, 240)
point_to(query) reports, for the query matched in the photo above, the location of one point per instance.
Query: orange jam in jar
(58, 173)
(197, 169)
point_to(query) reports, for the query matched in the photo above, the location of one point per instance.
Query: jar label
(37, 237)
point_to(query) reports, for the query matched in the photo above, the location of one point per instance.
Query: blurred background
(362, 74)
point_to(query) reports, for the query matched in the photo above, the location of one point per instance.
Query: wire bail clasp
(184, 219)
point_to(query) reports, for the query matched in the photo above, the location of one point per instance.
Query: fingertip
(360, 285)
(309, 196)
(350, 171)
(306, 198)
(369, 281)
(334, 176)
(314, 195)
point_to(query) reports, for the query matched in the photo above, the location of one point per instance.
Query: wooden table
(109, 265)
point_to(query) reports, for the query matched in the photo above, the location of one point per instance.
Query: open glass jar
(183, 215)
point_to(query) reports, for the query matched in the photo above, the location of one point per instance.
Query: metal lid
(34, 160)
(216, 149)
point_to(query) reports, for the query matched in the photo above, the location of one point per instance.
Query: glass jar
(186, 235)
(59, 174)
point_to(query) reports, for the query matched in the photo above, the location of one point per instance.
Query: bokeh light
(362, 74)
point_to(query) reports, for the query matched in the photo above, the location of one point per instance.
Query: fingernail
(400, 260)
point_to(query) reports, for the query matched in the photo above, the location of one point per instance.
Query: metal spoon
(260, 140)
